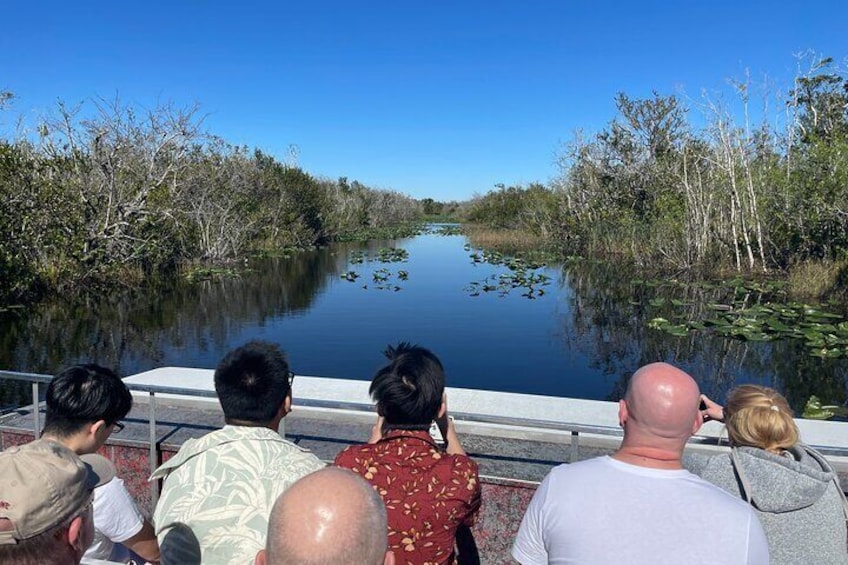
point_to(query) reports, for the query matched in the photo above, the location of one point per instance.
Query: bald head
(662, 401)
(329, 516)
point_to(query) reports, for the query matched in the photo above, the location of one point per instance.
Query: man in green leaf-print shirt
(219, 490)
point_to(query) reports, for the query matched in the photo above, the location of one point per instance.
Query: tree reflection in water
(609, 316)
(584, 338)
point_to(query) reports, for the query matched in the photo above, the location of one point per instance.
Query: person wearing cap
(219, 489)
(84, 406)
(46, 494)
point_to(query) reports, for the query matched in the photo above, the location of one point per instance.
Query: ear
(622, 412)
(699, 421)
(390, 558)
(261, 558)
(76, 534)
(96, 427)
(444, 407)
(285, 407)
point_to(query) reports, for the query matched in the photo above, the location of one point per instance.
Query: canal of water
(577, 329)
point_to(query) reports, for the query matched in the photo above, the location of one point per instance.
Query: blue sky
(438, 99)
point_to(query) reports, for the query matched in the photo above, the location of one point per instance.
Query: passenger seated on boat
(45, 504)
(330, 516)
(429, 492)
(221, 487)
(639, 506)
(792, 487)
(85, 404)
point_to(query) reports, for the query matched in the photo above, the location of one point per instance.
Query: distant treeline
(125, 193)
(654, 189)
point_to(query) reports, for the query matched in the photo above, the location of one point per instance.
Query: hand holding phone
(711, 410)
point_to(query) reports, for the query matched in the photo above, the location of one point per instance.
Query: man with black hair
(429, 492)
(219, 489)
(85, 404)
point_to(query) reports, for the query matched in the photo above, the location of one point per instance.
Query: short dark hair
(409, 390)
(252, 382)
(83, 394)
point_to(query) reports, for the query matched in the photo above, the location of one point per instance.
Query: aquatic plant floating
(449, 230)
(350, 276)
(825, 334)
(521, 275)
(815, 410)
(392, 255)
(383, 255)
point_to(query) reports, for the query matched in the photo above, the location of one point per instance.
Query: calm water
(582, 338)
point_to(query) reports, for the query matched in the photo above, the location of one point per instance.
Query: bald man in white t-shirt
(639, 506)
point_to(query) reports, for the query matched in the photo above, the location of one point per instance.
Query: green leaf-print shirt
(223, 485)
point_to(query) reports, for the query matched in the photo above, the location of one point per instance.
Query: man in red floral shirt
(429, 491)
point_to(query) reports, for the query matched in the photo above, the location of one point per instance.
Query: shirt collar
(413, 434)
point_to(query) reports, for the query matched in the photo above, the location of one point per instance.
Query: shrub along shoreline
(711, 194)
(124, 194)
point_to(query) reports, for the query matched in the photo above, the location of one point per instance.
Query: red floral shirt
(428, 493)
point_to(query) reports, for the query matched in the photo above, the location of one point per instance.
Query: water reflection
(610, 315)
(137, 329)
(583, 337)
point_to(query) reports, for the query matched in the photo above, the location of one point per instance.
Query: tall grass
(817, 279)
(503, 240)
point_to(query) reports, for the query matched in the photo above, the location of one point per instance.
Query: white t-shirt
(116, 519)
(603, 511)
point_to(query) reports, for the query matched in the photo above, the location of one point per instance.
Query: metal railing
(565, 428)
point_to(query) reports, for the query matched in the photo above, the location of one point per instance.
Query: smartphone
(439, 431)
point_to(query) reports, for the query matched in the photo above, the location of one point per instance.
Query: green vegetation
(392, 255)
(510, 241)
(745, 310)
(652, 189)
(520, 275)
(449, 230)
(120, 193)
(817, 279)
(400, 231)
(814, 410)
(382, 277)
(435, 211)
(202, 273)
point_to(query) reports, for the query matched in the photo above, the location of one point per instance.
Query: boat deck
(509, 468)
(514, 452)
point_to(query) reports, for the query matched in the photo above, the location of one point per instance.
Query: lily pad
(815, 410)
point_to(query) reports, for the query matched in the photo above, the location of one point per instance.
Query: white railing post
(575, 447)
(36, 417)
(154, 485)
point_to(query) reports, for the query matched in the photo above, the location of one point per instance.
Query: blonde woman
(791, 486)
